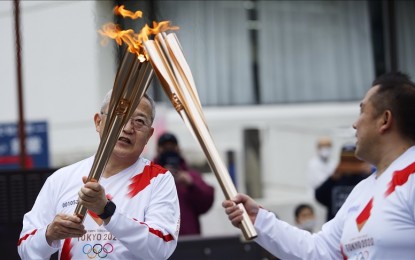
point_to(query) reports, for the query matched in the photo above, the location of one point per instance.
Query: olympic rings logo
(99, 250)
(361, 255)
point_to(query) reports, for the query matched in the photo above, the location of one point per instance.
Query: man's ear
(150, 134)
(97, 121)
(386, 121)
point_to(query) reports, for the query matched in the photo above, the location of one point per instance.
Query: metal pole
(21, 124)
(391, 34)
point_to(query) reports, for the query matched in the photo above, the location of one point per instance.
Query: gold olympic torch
(170, 65)
(131, 82)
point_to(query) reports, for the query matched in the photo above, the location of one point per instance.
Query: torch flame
(120, 10)
(133, 40)
(157, 28)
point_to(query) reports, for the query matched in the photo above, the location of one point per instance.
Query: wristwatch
(109, 210)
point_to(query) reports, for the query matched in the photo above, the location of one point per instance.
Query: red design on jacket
(25, 237)
(142, 180)
(66, 250)
(364, 215)
(399, 178)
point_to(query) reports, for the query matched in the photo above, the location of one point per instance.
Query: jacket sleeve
(32, 242)
(202, 193)
(288, 242)
(156, 237)
(323, 192)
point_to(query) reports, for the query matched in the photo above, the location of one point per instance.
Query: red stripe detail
(158, 233)
(139, 183)
(399, 178)
(93, 214)
(342, 252)
(16, 160)
(66, 250)
(364, 215)
(142, 180)
(26, 236)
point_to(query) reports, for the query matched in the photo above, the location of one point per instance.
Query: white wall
(67, 72)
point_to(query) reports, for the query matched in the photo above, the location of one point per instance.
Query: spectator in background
(195, 195)
(304, 217)
(334, 190)
(320, 166)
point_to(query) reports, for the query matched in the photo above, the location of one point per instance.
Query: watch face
(110, 207)
(108, 210)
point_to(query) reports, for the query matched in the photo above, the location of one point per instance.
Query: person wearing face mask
(334, 190)
(305, 218)
(321, 165)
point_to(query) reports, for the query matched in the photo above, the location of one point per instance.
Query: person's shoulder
(82, 167)
(150, 163)
(365, 183)
(87, 162)
(151, 166)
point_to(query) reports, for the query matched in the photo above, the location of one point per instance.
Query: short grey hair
(107, 99)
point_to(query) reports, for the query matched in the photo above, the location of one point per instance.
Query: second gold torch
(174, 73)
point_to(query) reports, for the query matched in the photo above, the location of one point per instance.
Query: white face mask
(324, 152)
(308, 225)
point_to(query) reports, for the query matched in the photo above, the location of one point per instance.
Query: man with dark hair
(304, 217)
(167, 142)
(377, 220)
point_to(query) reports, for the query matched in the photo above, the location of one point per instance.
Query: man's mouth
(124, 140)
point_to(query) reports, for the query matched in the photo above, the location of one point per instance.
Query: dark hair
(348, 150)
(166, 138)
(396, 93)
(301, 207)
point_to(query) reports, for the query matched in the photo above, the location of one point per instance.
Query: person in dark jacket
(334, 190)
(195, 195)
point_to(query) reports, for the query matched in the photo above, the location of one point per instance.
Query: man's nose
(128, 126)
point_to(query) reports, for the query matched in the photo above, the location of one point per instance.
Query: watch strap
(109, 210)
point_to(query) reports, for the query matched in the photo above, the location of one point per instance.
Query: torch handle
(202, 134)
(80, 211)
(200, 131)
(128, 90)
(101, 158)
(186, 103)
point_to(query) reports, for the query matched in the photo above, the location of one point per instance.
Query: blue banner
(37, 148)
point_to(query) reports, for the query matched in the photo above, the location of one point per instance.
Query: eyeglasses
(138, 123)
